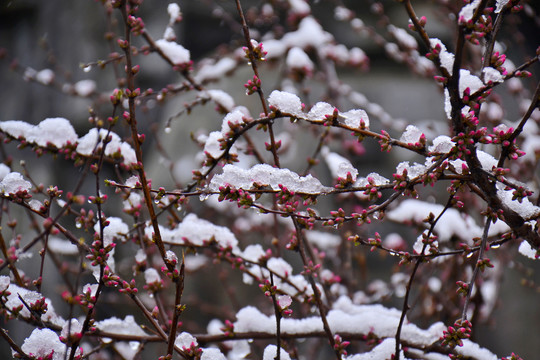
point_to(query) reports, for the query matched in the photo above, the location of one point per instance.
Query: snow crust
(88, 142)
(500, 5)
(85, 87)
(452, 222)
(266, 175)
(467, 80)
(270, 353)
(492, 75)
(356, 118)
(411, 135)
(525, 249)
(45, 76)
(467, 11)
(446, 58)
(297, 59)
(196, 231)
(339, 166)
(61, 246)
(217, 70)
(174, 51)
(43, 342)
(13, 183)
(128, 326)
(285, 102)
(345, 317)
(525, 208)
(309, 34)
(31, 297)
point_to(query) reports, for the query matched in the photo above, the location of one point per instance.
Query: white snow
(264, 174)
(452, 222)
(31, 297)
(174, 12)
(467, 80)
(128, 326)
(286, 102)
(339, 166)
(325, 241)
(500, 5)
(16, 128)
(151, 275)
(45, 76)
(525, 249)
(116, 229)
(467, 11)
(270, 353)
(43, 342)
(4, 170)
(412, 170)
(72, 327)
(85, 87)
(446, 58)
(320, 110)
(355, 118)
(87, 143)
(345, 317)
(376, 178)
(220, 97)
(235, 117)
(184, 340)
(297, 59)
(442, 144)
(384, 350)
(525, 208)
(212, 145)
(492, 75)
(174, 51)
(61, 246)
(216, 70)
(212, 354)
(13, 183)
(411, 135)
(253, 252)
(4, 283)
(404, 39)
(196, 231)
(447, 104)
(309, 34)
(299, 7)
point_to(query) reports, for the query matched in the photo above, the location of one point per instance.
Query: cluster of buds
(342, 183)
(99, 253)
(129, 287)
(268, 288)
(256, 53)
(338, 218)
(253, 86)
(372, 190)
(228, 329)
(311, 269)
(463, 288)
(240, 196)
(454, 335)
(422, 22)
(85, 220)
(109, 278)
(136, 24)
(340, 345)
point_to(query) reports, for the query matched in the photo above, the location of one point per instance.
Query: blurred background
(61, 35)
